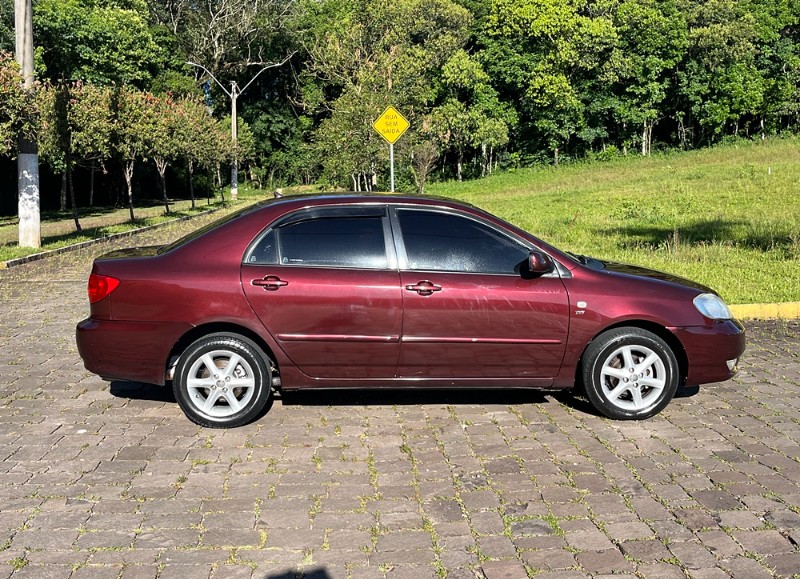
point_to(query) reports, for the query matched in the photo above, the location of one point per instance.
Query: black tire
(217, 397)
(630, 374)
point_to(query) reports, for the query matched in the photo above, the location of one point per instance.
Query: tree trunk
(459, 165)
(72, 197)
(555, 156)
(161, 165)
(128, 179)
(483, 159)
(647, 137)
(191, 184)
(644, 139)
(63, 204)
(91, 184)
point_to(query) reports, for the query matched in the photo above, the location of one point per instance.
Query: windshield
(213, 225)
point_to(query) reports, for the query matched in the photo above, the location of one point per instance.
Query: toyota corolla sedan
(373, 291)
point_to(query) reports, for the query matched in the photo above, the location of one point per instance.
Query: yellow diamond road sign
(391, 125)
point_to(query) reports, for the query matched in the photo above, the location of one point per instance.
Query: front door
(469, 312)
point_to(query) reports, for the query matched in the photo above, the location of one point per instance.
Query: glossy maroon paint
(329, 327)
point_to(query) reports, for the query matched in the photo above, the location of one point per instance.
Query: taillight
(101, 286)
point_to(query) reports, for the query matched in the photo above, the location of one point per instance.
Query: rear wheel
(630, 373)
(222, 381)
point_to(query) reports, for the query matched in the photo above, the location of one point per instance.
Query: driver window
(445, 242)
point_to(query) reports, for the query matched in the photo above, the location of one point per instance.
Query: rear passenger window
(356, 242)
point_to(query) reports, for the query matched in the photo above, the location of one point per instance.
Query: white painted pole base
(30, 234)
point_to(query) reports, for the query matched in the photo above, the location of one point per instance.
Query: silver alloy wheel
(633, 377)
(220, 383)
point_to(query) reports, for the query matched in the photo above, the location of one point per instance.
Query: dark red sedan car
(352, 291)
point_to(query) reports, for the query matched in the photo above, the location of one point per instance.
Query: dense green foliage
(484, 83)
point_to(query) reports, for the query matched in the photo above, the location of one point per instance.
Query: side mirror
(539, 263)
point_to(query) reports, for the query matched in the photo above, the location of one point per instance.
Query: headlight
(712, 306)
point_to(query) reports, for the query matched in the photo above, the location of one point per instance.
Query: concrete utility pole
(233, 94)
(28, 161)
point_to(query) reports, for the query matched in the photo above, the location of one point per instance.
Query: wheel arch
(204, 330)
(662, 332)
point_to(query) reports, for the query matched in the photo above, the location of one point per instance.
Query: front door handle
(270, 283)
(424, 287)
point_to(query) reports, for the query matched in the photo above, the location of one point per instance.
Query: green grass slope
(728, 217)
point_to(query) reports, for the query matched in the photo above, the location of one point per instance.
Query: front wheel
(222, 381)
(630, 373)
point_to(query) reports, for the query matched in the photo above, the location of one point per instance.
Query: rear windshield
(213, 225)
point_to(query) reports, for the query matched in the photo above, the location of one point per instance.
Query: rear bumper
(134, 351)
(712, 351)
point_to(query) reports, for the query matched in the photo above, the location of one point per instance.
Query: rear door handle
(424, 287)
(270, 283)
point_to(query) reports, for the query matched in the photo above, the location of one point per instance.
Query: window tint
(334, 242)
(443, 242)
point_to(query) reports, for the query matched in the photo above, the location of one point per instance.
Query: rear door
(469, 310)
(324, 283)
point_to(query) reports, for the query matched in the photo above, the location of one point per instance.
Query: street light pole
(30, 233)
(233, 94)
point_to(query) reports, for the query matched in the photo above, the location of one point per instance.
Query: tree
(91, 122)
(164, 144)
(652, 40)
(540, 51)
(719, 79)
(100, 42)
(473, 116)
(6, 25)
(53, 134)
(226, 36)
(364, 56)
(13, 103)
(195, 133)
(134, 126)
(423, 159)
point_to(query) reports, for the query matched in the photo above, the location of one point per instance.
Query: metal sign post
(391, 125)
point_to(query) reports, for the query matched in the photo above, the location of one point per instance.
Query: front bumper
(131, 351)
(712, 351)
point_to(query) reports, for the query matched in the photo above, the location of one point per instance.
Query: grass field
(728, 217)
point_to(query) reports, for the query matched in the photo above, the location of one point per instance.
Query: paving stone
(645, 551)
(549, 559)
(530, 527)
(589, 541)
(693, 555)
(628, 531)
(784, 519)
(503, 570)
(608, 561)
(763, 542)
(745, 568)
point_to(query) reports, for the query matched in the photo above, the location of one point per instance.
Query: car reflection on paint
(368, 291)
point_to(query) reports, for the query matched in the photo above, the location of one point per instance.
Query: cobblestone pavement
(110, 480)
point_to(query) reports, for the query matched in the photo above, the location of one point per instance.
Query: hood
(147, 251)
(633, 270)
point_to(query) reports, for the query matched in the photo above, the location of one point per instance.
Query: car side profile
(377, 291)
